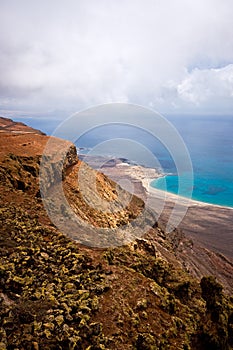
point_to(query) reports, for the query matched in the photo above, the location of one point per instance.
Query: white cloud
(208, 86)
(57, 54)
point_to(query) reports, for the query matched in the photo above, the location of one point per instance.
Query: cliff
(56, 293)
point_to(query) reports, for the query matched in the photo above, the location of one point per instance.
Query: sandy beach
(173, 197)
(206, 224)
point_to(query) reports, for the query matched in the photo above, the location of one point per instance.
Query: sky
(174, 56)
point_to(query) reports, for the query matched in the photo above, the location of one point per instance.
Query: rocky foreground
(58, 294)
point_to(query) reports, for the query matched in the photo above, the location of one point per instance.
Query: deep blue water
(209, 140)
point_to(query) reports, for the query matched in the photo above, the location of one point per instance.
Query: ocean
(209, 140)
(210, 144)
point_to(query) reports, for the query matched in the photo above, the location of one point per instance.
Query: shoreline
(118, 169)
(169, 196)
(175, 197)
(207, 225)
(148, 175)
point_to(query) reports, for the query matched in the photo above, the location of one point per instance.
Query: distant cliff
(9, 126)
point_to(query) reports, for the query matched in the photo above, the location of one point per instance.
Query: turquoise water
(206, 189)
(210, 143)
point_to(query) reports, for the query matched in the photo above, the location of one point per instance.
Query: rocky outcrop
(54, 164)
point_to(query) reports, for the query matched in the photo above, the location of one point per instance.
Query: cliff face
(21, 172)
(57, 294)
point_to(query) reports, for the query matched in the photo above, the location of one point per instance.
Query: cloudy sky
(175, 56)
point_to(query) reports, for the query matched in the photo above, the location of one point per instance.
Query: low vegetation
(56, 295)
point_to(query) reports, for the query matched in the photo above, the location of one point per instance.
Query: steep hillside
(58, 294)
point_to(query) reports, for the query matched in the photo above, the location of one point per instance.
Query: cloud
(70, 55)
(201, 86)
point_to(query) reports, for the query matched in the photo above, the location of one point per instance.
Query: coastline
(141, 175)
(174, 197)
(204, 223)
(148, 175)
